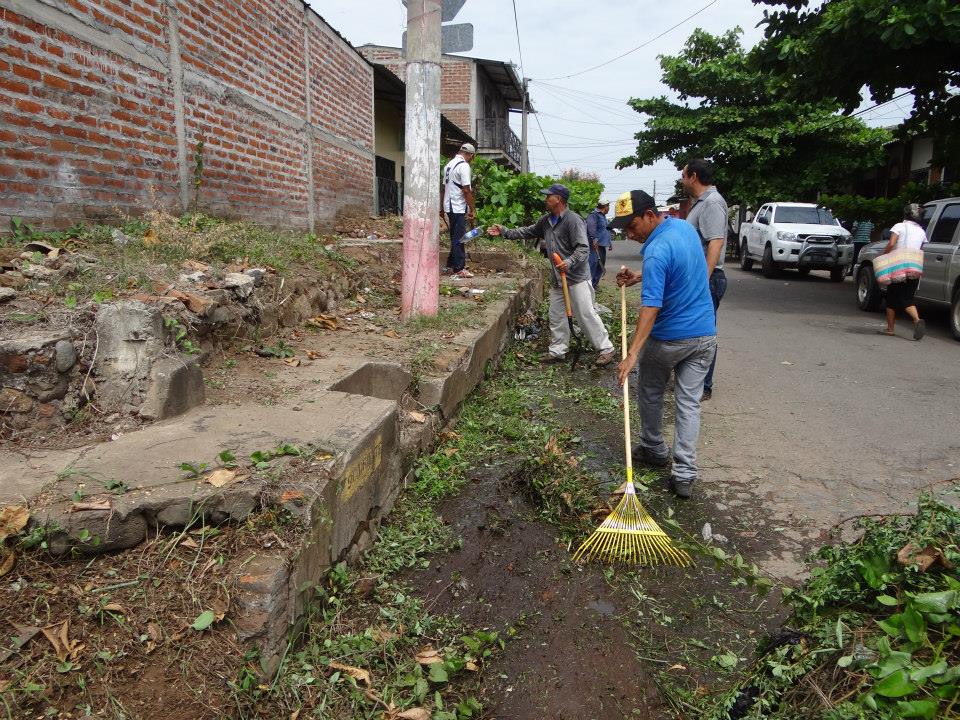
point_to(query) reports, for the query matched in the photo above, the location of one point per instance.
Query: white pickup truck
(801, 236)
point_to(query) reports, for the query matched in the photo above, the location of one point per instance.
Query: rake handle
(626, 390)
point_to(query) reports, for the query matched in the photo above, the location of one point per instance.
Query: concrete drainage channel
(363, 451)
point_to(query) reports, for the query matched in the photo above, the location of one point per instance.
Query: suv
(795, 235)
(940, 283)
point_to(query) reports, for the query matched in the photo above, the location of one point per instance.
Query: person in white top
(905, 235)
(456, 200)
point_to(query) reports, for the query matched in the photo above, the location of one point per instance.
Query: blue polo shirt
(675, 280)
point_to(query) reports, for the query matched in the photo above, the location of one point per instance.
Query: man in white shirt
(456, 200)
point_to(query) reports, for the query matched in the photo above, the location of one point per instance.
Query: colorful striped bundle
(898, 266)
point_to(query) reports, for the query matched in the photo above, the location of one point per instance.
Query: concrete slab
(159, 493)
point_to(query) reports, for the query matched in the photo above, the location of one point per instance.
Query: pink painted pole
(420, 279)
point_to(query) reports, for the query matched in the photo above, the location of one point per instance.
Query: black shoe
(681, 488)
(707, 394)
(919, 329)
(642, 456)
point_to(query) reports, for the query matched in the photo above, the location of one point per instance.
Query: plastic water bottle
(476, 232)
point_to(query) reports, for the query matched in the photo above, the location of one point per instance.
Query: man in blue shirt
(676, 331)
(599, 238)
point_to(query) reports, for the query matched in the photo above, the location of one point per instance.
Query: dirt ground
(592, 641)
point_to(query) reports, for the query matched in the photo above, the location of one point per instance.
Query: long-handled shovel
(629, 535)
(575, 340)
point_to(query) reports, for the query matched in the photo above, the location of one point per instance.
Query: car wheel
(746, 262)
(955, 315)
(803, 272)
(868, 292)
(767, 266)
(837, 274)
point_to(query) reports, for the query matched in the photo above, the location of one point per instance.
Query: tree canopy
(835, 48)
(765, 146)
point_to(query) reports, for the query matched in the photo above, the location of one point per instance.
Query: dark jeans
(457, 259)
(598, 263)
(718, 288)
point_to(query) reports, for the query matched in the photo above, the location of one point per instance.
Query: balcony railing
(495, 134)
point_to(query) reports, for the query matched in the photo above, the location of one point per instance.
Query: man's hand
(627, 277)
(471, 216)
(561, 266)
(596, 246)
(494, 230)
(625, 366)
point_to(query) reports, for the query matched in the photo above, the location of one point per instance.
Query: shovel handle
(558, 262)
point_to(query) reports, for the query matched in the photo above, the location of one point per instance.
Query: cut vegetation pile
(874, 633)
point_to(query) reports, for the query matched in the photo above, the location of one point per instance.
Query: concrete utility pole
(420, 283)
(524, 163)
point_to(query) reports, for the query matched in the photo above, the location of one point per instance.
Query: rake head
(630, 536)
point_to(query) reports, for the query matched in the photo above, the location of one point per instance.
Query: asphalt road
(816, 416)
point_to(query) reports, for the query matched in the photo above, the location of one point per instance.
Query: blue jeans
(718, 288)
(598, 262)
(457, 259)
(689, 360)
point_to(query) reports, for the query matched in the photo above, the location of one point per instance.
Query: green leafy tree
(511, 199)
(837, 47)
(765, 146)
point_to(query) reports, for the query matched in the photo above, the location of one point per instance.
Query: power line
(638, 47)
(543, 135)
(516, 25)
(586, 122)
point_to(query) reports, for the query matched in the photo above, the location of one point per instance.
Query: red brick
(26, 72)
(29, 106)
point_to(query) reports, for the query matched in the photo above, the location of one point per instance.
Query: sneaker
(707, 394)
(681, 488)
(464, 274)
(644, 457)
(548, 358)
(919, 329)
(604, 358)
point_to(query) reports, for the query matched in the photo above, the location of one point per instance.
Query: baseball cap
(557, 189)
(603, 203)
(630, 205)
(468, 148)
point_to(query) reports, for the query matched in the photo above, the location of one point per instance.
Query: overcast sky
(585, 119)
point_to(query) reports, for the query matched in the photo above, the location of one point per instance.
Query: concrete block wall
(108, 106)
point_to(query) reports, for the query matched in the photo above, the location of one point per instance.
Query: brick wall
(104, 105)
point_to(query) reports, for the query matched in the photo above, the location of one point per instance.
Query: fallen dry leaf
(291, 496)
(114, 607)
(292, 362)
(25, 634)
(391, 334)
(429, 656)
(154, 631)
(220, 606)
(313, 355)
(8, 558)
(414, 714)
(418, 417)
(678, 666)
(59, 636)
(471, 666)
(358, 674)
(150, 238)
(325, 322)
(923, 559)
(190, 543)
(92, 505)
(221, 477)
(451, 451)
(383, 636)
(13, 519)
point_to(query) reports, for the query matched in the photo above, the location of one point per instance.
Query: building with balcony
(477, 95)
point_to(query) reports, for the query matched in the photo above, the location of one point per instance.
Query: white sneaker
(464, 274)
